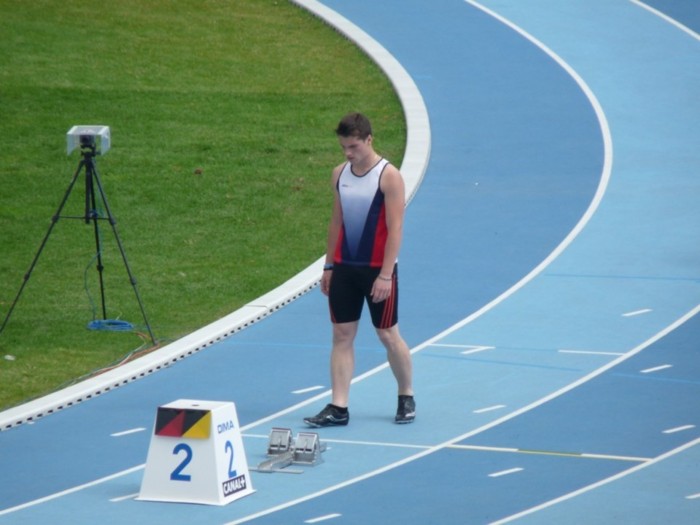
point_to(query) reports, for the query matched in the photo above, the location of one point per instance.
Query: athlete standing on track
(364, 237)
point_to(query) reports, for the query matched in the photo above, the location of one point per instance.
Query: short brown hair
(354, 125)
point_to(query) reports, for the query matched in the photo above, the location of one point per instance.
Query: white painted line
(636, 459)
(310, 389)
(124, 498)
(475, 349)
(549, 453)
(693, 496)
(668, 19)
(127, 432)
(505, 472)
(655, 369)
(589, 352)
(483, 448)
(637, 312)
(376, 444)
(323, 518)
(489, 409)
(469, 349)
(678, 429)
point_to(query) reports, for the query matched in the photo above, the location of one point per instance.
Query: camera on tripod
(95, 138)
(92, 141)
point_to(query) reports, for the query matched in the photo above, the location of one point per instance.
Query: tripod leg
(132, 279)
(54, 220)
(92, 215)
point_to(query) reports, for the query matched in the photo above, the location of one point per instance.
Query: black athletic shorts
(350, 288)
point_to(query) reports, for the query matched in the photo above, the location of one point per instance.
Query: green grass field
(222, 116)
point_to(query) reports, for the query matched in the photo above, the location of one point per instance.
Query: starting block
(280, 441)
(284, 451)
(196, 455)
(307, 449)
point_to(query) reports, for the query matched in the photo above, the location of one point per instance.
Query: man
(364, 237)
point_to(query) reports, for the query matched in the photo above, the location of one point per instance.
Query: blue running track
(550, 282)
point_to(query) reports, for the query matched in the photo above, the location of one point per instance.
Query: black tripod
(92, 179)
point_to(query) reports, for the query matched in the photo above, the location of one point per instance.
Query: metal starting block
(307, 449)
(283, 451)
(280, 441)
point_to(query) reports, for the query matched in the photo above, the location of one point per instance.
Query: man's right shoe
(406, 412)
(328, 417)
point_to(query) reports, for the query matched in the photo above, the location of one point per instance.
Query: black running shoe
(328, 417)
(406, 412)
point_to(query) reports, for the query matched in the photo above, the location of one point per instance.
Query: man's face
(355, 149)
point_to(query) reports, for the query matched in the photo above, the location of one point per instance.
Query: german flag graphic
(183, 422)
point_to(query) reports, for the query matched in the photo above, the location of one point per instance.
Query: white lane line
(589, 352)
(355, 442)
(310, 389)
(582, 455)
(489, 409)
(655, 369)
(469, 349)
(693, 496)
(668, 19)
(483, 448)
(323, 518)
(127, 432)
(377, 444)
(474, 349)
(616, 458)
(637, 312)
(678, 429)
(124, 498)
(505, 472)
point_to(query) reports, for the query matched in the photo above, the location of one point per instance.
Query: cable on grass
(114, 325)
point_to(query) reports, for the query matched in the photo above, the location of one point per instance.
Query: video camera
(96, 138)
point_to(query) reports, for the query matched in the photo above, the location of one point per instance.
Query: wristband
(327, 267)
(383, 278)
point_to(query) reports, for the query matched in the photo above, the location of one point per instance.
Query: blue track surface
(550, 286)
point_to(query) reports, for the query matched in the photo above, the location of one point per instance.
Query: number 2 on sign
(231, 470)
(177, 474)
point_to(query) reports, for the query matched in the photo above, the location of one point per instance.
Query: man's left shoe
(406, 412)
(328, 417)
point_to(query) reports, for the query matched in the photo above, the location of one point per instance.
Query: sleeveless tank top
(363, 234)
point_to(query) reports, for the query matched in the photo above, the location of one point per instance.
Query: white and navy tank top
(363, 235)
